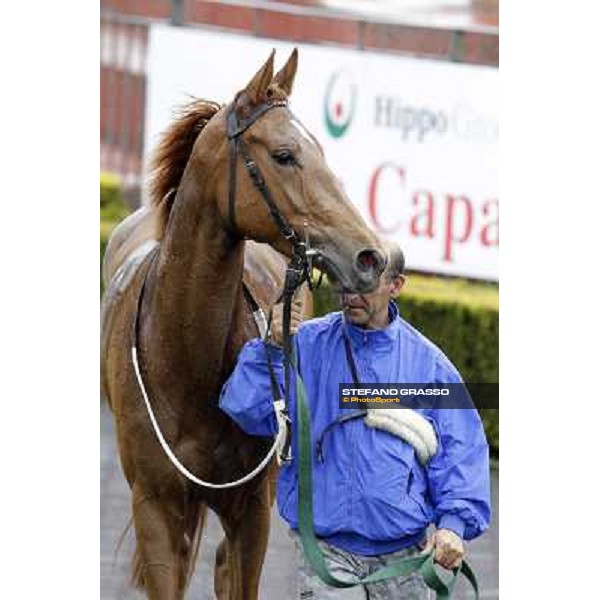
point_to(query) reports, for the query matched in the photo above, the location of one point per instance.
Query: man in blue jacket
(374, 499)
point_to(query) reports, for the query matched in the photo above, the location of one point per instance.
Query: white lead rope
(278, 443)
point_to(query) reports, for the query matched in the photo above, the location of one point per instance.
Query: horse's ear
(255, 91)
(285, 78)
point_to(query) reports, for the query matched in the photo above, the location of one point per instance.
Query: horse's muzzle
(360, 276)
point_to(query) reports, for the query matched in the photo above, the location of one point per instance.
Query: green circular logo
(340, 102)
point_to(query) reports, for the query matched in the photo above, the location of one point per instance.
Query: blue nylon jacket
(371, 495)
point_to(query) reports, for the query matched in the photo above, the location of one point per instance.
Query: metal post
(457, 49)
(114, 91)
(126, 70)
(361, 35)
(177, 12)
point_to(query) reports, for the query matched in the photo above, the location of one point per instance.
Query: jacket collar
(383, 336)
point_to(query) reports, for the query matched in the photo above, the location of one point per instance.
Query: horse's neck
(194, 297)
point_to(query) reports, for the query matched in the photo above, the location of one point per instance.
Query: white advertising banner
(414, 141)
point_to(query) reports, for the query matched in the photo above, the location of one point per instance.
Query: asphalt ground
(278, 576)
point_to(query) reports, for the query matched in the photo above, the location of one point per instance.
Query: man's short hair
(395, 263)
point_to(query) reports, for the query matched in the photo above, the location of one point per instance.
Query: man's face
(371, 310)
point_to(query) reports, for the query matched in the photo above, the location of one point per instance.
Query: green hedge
(113, 209)
(461, 317)
(112, 202)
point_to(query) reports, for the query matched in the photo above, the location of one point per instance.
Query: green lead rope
(423, 563)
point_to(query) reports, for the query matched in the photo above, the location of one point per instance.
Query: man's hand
(449, 548)
(277, 323)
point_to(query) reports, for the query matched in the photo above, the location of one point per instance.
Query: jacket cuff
(453, 523)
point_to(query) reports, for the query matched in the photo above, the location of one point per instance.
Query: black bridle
(298, 270)
(300, 266)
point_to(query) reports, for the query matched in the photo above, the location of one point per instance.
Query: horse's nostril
(370, 260)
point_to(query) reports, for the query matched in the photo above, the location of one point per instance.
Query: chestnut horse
(195, 316)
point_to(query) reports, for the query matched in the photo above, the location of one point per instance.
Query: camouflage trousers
(347, 565)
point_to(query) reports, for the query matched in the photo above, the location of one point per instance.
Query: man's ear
(397, 284)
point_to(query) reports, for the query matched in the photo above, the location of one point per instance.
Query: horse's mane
(172, 154)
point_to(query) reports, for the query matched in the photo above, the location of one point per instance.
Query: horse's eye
(284, 157)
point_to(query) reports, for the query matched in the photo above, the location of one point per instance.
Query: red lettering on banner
(373, 189)
(464, 220)
(451, 203)
(486, 237)
(425, 216)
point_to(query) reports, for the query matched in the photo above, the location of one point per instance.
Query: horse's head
(309, 197)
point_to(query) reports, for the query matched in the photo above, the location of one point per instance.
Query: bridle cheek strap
(233, 150)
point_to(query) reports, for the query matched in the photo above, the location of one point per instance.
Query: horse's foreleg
(159, 530)
(246, 545)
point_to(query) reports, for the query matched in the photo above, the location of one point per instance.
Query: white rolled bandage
(408, 425)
